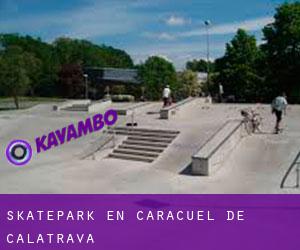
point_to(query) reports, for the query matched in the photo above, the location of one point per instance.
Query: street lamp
(86, 86)
(207, 24)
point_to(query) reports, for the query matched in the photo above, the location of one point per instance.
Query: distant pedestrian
(279, 105)
(221, 92)
(167, 96)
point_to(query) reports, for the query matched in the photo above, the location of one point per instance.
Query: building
(112, 76)
(202, 77)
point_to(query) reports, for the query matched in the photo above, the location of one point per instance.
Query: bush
(122, 98)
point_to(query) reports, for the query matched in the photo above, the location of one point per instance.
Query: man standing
(166, 96)
(221, 92)
(279, 105)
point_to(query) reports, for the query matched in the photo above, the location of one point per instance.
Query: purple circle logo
(19, 152)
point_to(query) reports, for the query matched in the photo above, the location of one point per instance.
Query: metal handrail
(295, 163)
(297, 175)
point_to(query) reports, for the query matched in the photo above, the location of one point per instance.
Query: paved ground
(256, 166)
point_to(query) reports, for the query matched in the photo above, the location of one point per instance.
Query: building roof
(202, 75)
(112, 75)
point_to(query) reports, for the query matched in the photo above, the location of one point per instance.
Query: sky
(173, 29)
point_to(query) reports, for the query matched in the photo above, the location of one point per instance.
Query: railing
(294, 166)
(97, 145)
(105, 138)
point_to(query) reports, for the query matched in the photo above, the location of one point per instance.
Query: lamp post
(207, 25)
(86, 86)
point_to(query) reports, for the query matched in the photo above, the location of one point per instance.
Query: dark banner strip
(153, 222)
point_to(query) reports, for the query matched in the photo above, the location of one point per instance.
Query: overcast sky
(170, 28)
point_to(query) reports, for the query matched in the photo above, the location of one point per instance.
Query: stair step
(142, 144)
(145, 143)
(148, 130)
(135, 152)
(151, 139)
(131, 157)
(138, 133)
(142, 148)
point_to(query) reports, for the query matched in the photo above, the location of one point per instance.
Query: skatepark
(164, 153)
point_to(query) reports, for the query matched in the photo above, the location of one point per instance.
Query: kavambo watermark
(19, 152)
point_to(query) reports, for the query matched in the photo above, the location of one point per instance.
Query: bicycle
(252, 121)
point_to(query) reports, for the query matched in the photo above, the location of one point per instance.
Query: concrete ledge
(99, 105)
(70, 103)
(168, 112)
(215, 151)
(130, 109)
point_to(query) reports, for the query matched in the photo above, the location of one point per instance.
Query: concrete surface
(99, 105)
(256, 166)
(215, 152)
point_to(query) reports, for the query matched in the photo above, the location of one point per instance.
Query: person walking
(279, 105)
(221, 92)
(166, 96)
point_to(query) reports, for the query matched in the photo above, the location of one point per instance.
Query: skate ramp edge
(131, 109)
(169, 112)
(99, 105)
(70, 103)
(210, 157)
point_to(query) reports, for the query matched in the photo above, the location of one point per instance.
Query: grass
(7, 103)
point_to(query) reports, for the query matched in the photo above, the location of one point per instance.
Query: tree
(282, 51)
(43, 72)
(45, 61)
(71, 80)
(85, 53)
(33, 68)
(200, 66)
(14, 79)
(238, 68)
(156, 73)
(188, 82)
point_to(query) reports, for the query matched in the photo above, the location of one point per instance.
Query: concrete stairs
(141, 144)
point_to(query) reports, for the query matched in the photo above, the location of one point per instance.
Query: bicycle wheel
(248, 127)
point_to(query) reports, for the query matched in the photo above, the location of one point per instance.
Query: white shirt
(166, 93)
(221, 90)
(279, 103)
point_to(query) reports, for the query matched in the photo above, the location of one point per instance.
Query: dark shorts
(278, 115)
(166, 101)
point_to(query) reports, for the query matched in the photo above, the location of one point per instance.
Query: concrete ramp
(128, 108)
(217, 148)
(84, 106)
(73, 105)
(259, 164)
(170, 112)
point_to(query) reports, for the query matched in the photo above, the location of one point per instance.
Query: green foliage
(45, 62)
(188, 82)
(42, 66)
(238, 68)
(14, 78)
(118, 89)
(155, 74)
(86, 54)
(122, 98)
(282, 51)
(200, 66)
(249, 72)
